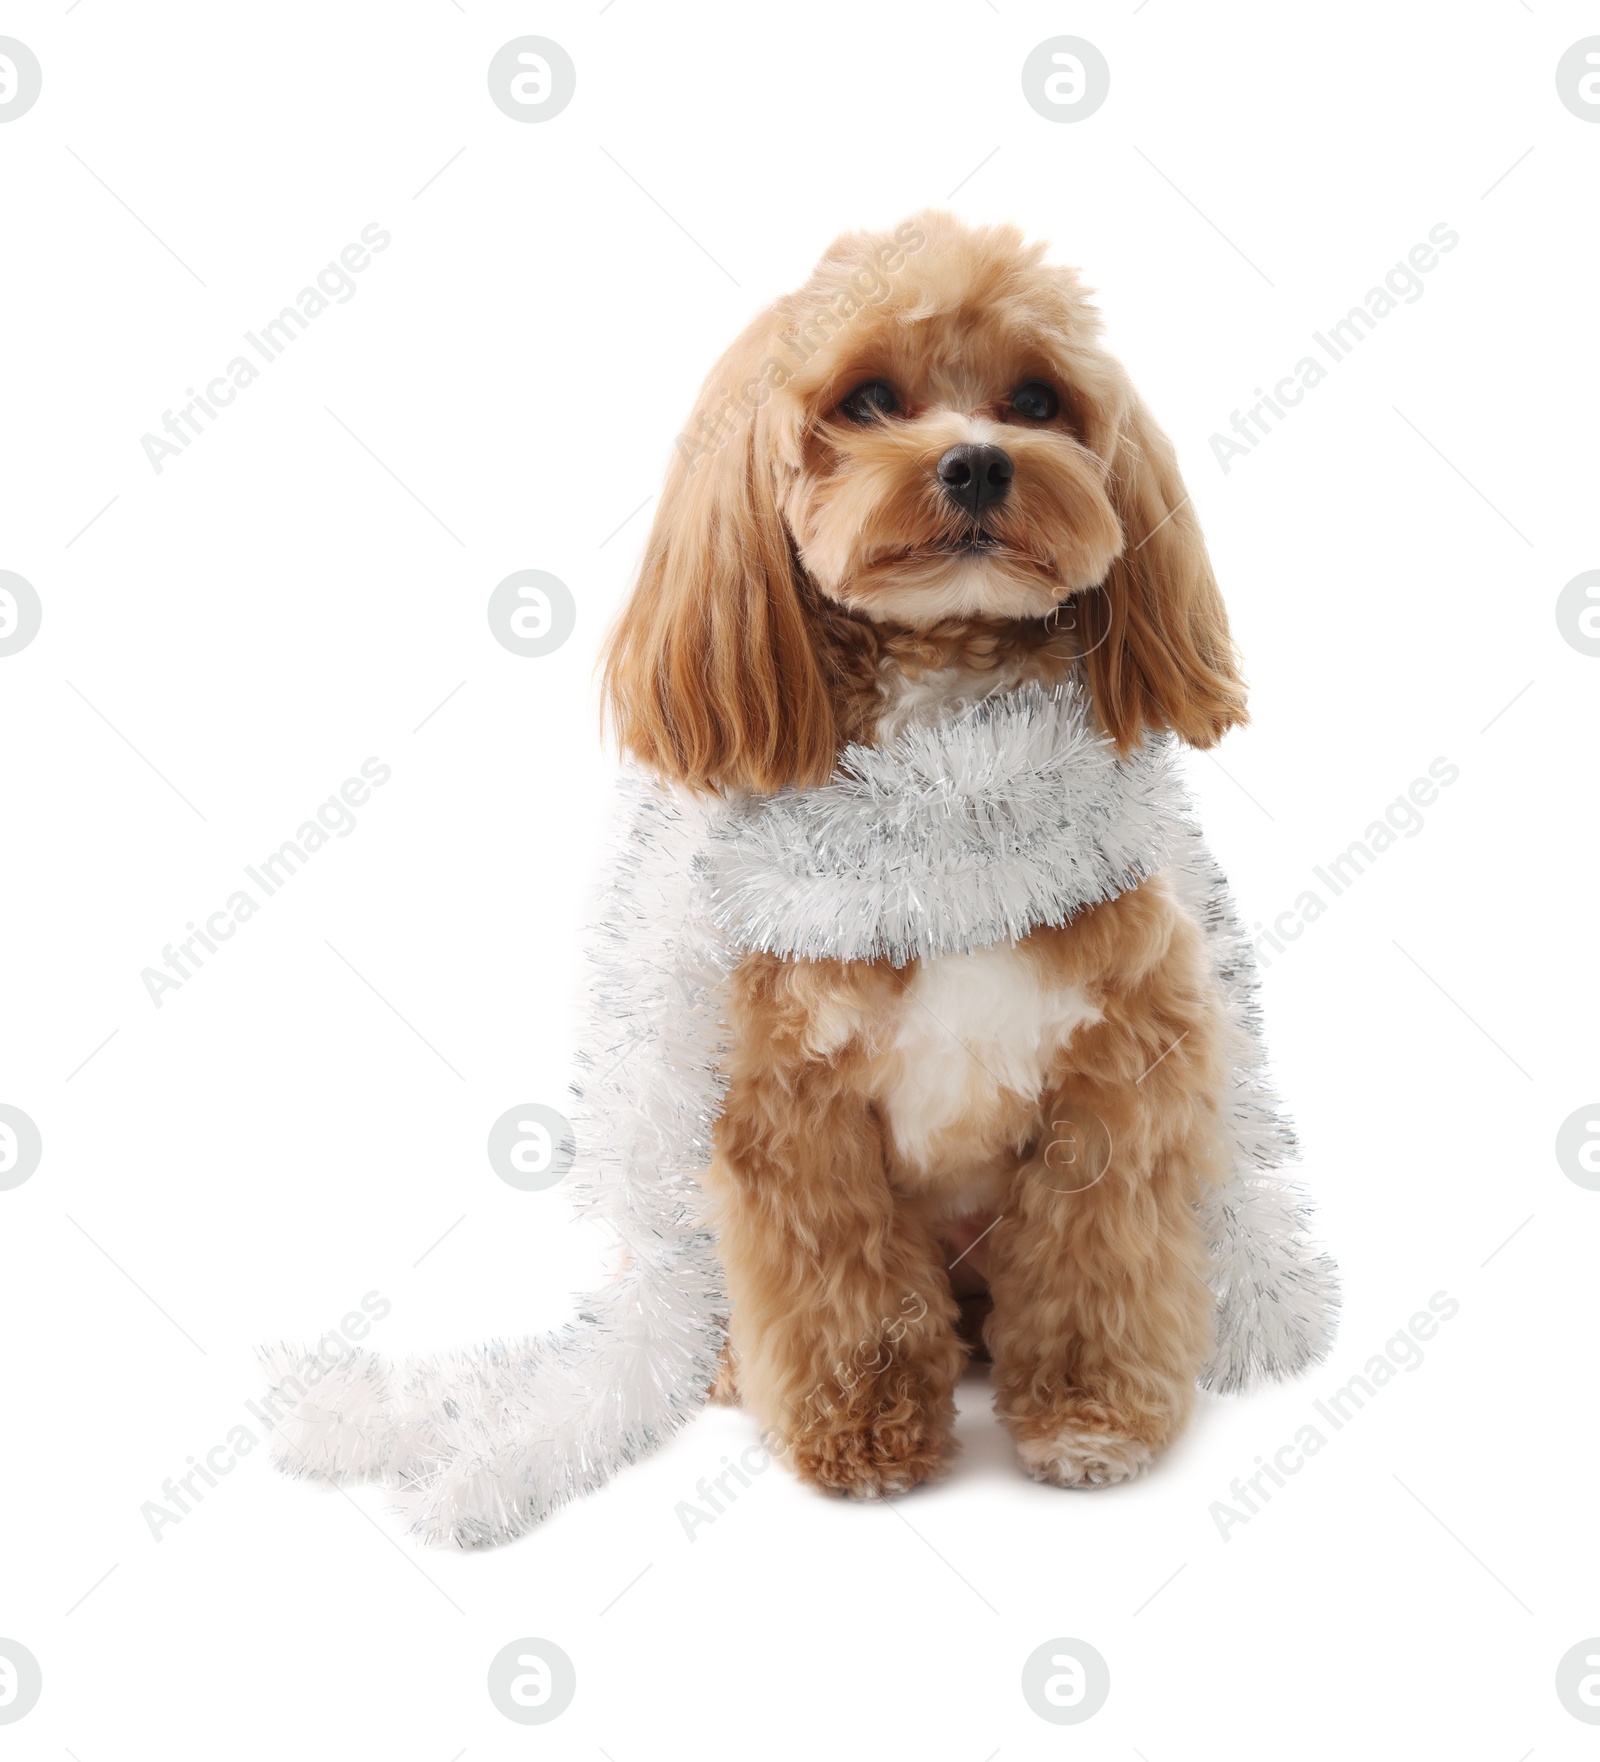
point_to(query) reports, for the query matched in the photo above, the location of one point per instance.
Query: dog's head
(929, 430)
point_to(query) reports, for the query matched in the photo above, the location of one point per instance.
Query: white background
(243, 629)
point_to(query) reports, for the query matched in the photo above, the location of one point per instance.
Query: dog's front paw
(867, 1460)
(891, 1434)
(1081, 1456)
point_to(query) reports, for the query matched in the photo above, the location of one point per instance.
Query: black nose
(975, 477)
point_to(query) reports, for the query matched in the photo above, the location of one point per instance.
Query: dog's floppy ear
(1158, 652)
(711, 673)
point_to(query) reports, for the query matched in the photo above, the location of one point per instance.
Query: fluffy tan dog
(918, 481)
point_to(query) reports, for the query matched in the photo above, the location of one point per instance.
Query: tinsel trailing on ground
(1008, 814)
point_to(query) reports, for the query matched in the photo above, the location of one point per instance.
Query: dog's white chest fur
(977, 1032)
(972, 1028)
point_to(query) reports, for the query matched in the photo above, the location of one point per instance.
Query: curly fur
(918, 997)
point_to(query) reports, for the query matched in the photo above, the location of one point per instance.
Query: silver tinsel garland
(1008, 814)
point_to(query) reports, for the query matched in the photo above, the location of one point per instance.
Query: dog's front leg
(843, 1327)
(1102, 1313)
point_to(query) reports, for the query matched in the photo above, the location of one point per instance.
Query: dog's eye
(1035, 400)
(870, 401)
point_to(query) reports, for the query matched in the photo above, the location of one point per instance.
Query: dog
(917, 482)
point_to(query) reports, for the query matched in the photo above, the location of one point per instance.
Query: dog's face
(930, 430)
(943, 450)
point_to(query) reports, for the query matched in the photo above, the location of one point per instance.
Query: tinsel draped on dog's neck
(1002, 816)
